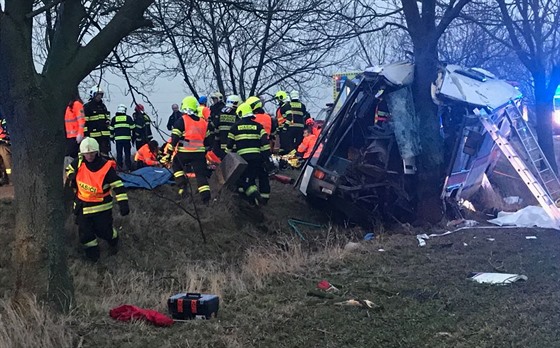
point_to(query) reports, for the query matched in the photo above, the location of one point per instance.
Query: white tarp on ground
(530, 216)
(491, 92)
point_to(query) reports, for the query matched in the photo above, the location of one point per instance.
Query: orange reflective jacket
(74, 120)
(307, 145)
(266, 121)
(145, 155)
(90, 184)
(195, 132)
(204, 112)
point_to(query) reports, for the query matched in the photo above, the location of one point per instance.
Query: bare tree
(34, 101)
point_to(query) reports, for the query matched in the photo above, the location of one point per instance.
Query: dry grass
(32, 325)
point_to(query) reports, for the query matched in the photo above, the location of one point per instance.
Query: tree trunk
(39, 253)
(543, 108)
(430, 162)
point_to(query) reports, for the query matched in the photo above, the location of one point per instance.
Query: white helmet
(217, 95)
(294, 95)
(95, 90)
(233, 100)
(121, 109)
(89, 145)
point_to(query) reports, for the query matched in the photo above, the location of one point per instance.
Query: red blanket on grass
(129, 312)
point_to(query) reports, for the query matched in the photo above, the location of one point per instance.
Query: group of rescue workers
(201, 135)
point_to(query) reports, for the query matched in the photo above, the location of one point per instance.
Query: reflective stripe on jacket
(74, 120)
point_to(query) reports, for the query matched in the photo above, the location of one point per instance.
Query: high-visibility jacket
(189, 134)
(74, 120)
(204, 112)
(307, 145)
(280, 117)
(316, 131)
(266, 121)
(122, 128)
(249, 139)
(146, 156)
(94, 181)
(4, 135)
(224, 122)
(97, 120)
(296, 113)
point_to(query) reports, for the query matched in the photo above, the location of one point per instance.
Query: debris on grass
(530, 237)
(357, 303)
(496, 278)
(530, 216)
(513, 200)
(326, 286)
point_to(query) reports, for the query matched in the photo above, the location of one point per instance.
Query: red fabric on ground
(129, 312)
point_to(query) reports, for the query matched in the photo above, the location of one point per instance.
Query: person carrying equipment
(93, 179)
(250, 141)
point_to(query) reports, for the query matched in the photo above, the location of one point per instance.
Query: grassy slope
(422, 295)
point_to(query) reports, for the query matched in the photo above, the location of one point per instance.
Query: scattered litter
(357, 303)
(369, 236)
(530, 237)
(490, 239)
(382, 250)
(129, 312)
(455, 222)
(444, 334)
(467, 205)
(422, 239)
(350, 246)
(465, 244)
(462, 223)
(496, 278)
(469, 223)
(513, 200)
(529, 216)
(326, 286)
(294, 222)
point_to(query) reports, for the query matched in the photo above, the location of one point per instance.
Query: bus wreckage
(364, 162)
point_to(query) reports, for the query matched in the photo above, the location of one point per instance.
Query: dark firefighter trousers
(124, 146)
(91, 226)
(255, 171)
(183, 162)
(294, 136)
(285, 144)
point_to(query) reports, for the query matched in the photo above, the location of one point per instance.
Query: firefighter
(94, 178)
(74, 123)
(5, 153)
(227, 118)
(282, 99)
(188, 138)
(123, 134)
(296, 115)
(216, 108)
(147, 155)
(261, 116)
(249, 140)
(203, 110)
(98, 120)
(143, 122)
(309, 140)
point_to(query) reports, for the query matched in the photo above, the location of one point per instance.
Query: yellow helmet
(244, 110)
(189, 105)
(254, 102)
(89, 145)
(281, 95)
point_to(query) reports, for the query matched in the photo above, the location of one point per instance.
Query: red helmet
(309, 122)
(139, 107)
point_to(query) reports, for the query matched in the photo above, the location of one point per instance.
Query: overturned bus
(363, 164)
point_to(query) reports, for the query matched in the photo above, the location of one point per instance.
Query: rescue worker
(74, 123)
(174, 116)
(203, 110)
(147, 155)
(94, 178)
(309, 140)
(143, 131)
(216, 108)
(296, 114)
(188, 138)
(227, 118)
(282, 99)
(98, 120)
(381, 112)
(249, 140)
(5, 153)
(123, 134)
(261, 116)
